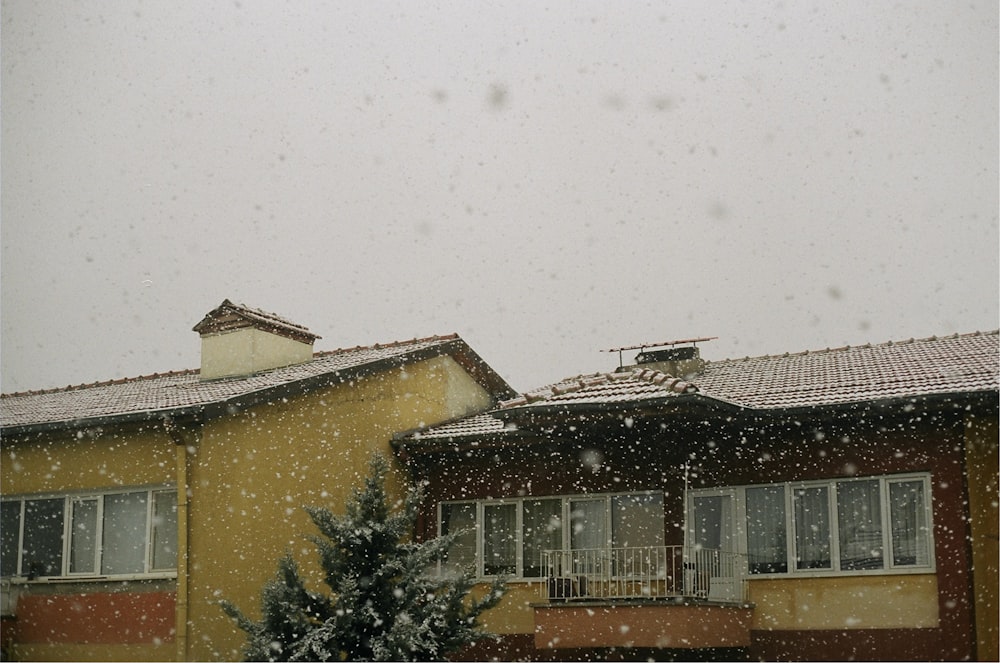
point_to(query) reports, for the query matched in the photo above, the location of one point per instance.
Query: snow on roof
(961, 363)
(160, 394)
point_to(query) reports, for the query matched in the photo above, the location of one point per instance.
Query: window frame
(70, 500)
(565, 517)
(888, 567)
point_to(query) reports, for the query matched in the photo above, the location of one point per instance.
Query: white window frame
(68, 536)
(888, 566)
(565, 522)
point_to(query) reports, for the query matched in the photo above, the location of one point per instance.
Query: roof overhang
(457, 349)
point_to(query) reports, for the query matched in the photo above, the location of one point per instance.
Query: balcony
(660, 596)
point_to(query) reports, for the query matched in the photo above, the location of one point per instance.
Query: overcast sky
(548, 180)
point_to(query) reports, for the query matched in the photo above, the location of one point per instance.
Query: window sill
(165, 575)
(922, 570)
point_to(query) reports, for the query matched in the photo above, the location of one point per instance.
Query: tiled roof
(624, 386)
(909, 369)
(163, 393)
(913, 368)
(477, 424)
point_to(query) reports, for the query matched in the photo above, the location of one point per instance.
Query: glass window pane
(10, 533)
(910, 530)
(542, 531)
(460, 518)
(812, 528)
(83, 536)
(124, 549)
(859, 525)
(43, 537)
(706, 521)
(500, 539)
(637, 521)
(767, 538)
(588, 538)
(588, 524)
(165, 530)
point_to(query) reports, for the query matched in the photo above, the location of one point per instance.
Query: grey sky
(547, 180)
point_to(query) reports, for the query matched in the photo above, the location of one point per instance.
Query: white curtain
(83, 536)
(859, 520)
(460, 518)
(637, 520)
(124, 549)
(542, 531)
(910, 533)
(165, 530)
(812, 527)
(500, 539)
(767, 541)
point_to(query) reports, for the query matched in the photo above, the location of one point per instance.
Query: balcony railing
(644, 573)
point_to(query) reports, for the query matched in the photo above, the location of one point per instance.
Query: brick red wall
(97, 618)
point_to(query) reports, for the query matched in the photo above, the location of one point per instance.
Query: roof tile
(184, 389)
(955, 364)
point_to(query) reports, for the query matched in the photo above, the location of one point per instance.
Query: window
(509, 536)
(845, 525)
(541, 531)
(767, 541)
(10, 530)
(111, 534)
(911, 531)
(812, 527)
(859, 521)
(460, 519)
(499, 539)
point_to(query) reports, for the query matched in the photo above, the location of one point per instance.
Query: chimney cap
(228, 316)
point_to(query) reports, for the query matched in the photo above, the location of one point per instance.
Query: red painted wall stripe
(110, 618)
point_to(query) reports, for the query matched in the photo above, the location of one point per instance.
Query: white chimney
(237, 340)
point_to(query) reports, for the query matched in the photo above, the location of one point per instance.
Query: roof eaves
(661, 403)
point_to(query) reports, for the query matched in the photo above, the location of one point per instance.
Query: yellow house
(131, 507)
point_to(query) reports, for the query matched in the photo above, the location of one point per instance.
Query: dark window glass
(43, 537)
(10, 532)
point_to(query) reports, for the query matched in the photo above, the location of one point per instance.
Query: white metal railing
(644, 572)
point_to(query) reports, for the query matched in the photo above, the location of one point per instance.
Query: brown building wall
(747, 453)
(983, 462)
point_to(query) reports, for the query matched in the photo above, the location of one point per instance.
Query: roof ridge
(577, 383)
(392, 344)
(99, 383)
(870, 345)
(194, 371)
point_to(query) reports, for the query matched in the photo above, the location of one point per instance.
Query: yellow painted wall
(251, 473)
(982, 465)
(248, 350)
(93, 459)
(514, 613)
(849, 602)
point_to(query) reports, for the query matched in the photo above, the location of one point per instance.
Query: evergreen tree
(386, 602)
